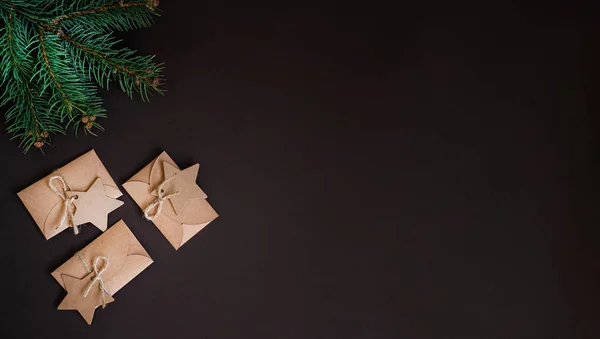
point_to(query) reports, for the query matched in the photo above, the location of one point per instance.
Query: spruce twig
(120, 4)
(52, 52)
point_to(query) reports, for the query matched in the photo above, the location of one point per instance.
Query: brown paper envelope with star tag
(126, 259)
(184, 215)
(89, 180)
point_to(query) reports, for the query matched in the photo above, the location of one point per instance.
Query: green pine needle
(54, 55)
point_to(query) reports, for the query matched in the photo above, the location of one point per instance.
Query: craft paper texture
(46, 207)
(126, 256)
(193, 211)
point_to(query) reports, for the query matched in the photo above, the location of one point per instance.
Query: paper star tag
(75, 299)
(183, 182)
(93, 206)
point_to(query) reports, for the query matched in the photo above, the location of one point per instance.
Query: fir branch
(121, 16)
(101, 9)
(104, 63)
(18, 88)
(71, 93)
(51, 50)
(49, 68)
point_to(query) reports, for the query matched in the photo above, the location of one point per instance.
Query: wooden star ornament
(93, 206)
(184, 183)
(86, 306)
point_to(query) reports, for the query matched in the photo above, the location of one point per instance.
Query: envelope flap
(114, 244)
(177, 232)
(130, 269)
(135, 247)
(191, 230)
(157, 174)
(196, 211)
(81, 173)
(39, 200)
(140, 192)
(171, 229)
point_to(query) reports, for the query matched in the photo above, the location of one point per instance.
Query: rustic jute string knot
(67, 213)
(157, 205)
(98, 271)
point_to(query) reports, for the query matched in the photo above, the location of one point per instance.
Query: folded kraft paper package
(80, 192)
(94, 274)
(171, 199)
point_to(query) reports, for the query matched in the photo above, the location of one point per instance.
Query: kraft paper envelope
(125, 258)
(47, 207)
(179, 220)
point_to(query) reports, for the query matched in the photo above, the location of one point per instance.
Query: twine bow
(67, 214)
(98, 271)
(158, 202)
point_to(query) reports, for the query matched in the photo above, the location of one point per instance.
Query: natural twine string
(97, 275)
(158, 203)
(67, 214)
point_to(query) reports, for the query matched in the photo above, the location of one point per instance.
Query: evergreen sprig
(54, 54)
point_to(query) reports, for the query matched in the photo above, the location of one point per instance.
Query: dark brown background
(429, 171)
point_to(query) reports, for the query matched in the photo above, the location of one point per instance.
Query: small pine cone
(115, 71)
(29, 133)
(39, 144)
(89, 125)
(85, 119)
(137, 81)
(44, 134)
(155, 3)
(92, 118)
(156, 82)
